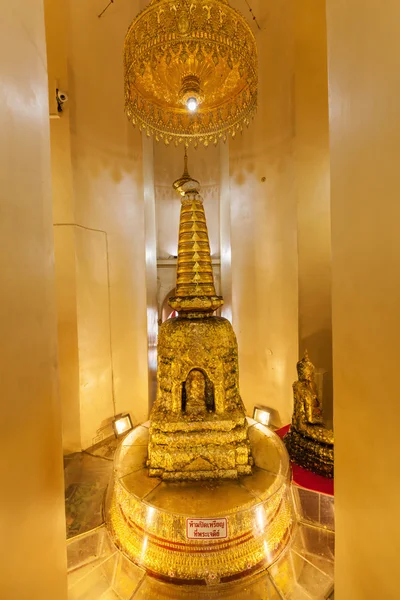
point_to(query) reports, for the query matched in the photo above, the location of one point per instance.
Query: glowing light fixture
(122, 424)
(192, 104)
(267, 416)
(262, 415)
(190, 71)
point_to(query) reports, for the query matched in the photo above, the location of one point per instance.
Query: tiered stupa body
(198, 423)
(187, 528)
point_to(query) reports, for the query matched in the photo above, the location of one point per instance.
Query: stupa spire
(195, 289)
(186, 169)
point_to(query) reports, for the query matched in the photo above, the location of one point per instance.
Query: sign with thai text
(207, 529)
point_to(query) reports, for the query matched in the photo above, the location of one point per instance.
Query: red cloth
(306, 479)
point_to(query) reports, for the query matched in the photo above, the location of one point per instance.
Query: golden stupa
(198, 422)
(200, 493)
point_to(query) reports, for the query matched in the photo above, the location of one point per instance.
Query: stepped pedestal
(202, 531)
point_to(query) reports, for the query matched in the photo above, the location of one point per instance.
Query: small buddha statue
(197, 394)
(310, 444)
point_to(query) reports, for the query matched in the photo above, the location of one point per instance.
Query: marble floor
(86, 476)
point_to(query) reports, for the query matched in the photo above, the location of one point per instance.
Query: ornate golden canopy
(190, 71)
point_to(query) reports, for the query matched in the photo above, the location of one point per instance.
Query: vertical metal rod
(252, 14)
(108, 6)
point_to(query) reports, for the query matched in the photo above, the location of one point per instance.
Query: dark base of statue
(309, 454)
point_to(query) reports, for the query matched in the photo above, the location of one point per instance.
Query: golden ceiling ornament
(190, 71)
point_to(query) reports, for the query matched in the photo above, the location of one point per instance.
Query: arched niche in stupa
(197, 393)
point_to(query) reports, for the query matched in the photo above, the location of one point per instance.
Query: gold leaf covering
(175, 46)
(198, 422)
(310, 443)
(148, 518)
(217, 505)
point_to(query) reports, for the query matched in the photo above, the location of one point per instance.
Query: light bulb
(192, 104)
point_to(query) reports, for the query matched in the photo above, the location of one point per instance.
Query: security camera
(61, 98)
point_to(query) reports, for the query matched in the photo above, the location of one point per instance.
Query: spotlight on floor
(122, 424)
(266, 416)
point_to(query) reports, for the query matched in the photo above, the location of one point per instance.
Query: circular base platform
(201, 532)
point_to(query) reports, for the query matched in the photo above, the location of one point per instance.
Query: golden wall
(267, 206)
(311, 151)
(99, 224)
(364, 86)
(264, 224)
(32, 521)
